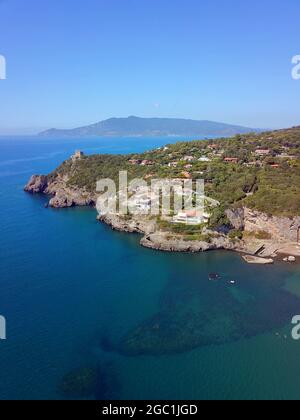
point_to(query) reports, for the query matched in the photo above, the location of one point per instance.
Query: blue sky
(71, 63)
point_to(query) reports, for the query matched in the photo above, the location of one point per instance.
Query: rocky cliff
(37, 184)
(278, 227)
(131, 225)
(161, 241)
(61, 194)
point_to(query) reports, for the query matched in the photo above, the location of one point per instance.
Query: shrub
(235, 234)
(263, 235)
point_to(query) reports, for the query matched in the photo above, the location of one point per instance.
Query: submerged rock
(214, 276)
(196, 314)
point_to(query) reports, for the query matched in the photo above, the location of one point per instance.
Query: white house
(192, 217)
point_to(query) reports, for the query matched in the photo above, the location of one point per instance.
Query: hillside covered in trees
(260, 171)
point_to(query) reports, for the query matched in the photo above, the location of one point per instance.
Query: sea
(90, 314)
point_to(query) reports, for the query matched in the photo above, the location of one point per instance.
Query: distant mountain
(151, 127)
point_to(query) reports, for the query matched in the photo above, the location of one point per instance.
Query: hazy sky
(71, 63)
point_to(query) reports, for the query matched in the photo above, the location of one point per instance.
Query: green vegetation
(263, 235)
(179, 229)
(236, 234)
(201, 237)
(278, 192)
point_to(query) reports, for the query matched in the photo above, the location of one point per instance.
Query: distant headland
(151, 127)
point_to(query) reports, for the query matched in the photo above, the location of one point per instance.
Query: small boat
(232, 282)
(214, 276)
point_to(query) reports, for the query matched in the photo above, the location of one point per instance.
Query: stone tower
(77, 155)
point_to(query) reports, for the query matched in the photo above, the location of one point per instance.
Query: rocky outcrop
(71, 198)
(62, 195)
(280, 230)
(250, 259)
(278, 227)
(236, 218)
(161, 241)
(61, 200)
(37, 184)
(140, 224)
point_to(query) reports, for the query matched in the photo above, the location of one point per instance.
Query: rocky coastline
(158, 240)
(61, 195)
(278, 227)
(283, 231)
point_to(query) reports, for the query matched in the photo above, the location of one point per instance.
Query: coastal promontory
(254, 178)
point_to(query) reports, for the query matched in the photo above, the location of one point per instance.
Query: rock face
(236, 218)
(70, 197)
(279, 228)
(80, 383)
(161, 242)
(61, 200)
(37, 184)
(121, 224)
(62, 195)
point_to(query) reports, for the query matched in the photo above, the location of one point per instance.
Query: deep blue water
(76, 294)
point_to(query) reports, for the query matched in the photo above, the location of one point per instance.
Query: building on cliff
(77, 155)
(192, 218)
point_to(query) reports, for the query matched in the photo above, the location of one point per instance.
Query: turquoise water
(76, 294)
